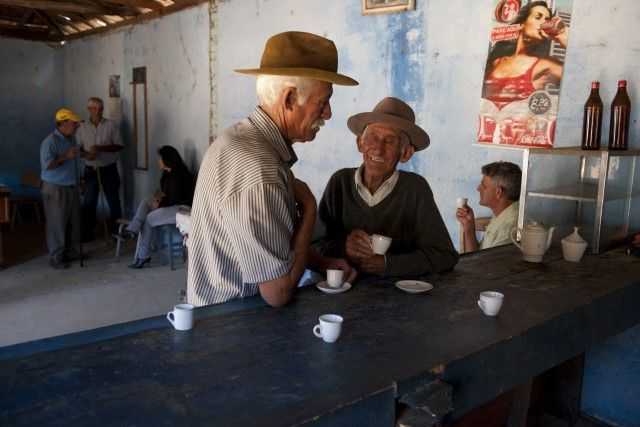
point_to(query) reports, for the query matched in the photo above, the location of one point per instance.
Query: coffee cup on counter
(490, 302)
(461, 202)
(335, 278)
(181, 317)
(329, 327)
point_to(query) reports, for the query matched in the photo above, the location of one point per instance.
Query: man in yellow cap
(251, 219)
(58, 154)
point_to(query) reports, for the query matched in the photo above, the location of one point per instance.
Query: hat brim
(312, 73)
(417, 136)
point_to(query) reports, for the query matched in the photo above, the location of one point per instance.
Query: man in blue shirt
(58, 154)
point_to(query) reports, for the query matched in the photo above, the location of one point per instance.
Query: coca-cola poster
(523, 72)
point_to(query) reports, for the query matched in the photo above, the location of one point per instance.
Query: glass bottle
(620, 115)
(592, 119)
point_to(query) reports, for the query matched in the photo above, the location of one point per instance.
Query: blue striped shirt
(243, 213)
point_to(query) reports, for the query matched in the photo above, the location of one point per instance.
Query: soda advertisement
(523, 72)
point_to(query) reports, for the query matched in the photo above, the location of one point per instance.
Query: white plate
(324, 287)
(414, 286)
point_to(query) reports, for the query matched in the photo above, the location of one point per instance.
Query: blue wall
(31, 90)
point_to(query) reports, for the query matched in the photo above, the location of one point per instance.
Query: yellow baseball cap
(64, 114)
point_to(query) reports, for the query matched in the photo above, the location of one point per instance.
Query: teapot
(535, 241)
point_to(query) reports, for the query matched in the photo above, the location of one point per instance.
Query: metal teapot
(535, 241)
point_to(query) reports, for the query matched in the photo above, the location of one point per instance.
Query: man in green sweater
(376, 198)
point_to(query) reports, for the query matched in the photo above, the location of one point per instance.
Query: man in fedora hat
(376, 198)
(251, 219)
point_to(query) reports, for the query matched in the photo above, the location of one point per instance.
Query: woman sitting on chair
(176, 188)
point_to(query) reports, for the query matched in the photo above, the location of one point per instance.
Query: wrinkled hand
(350, 273)
(373, 265)
(358, 246)
(304, 197)
(466, 217)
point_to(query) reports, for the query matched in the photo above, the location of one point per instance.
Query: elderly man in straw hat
(376, 198)
(251, 219)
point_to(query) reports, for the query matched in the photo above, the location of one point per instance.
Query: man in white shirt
(101, 137)
(499, 191)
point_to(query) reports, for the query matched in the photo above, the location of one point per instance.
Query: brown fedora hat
(300, 54)
(396, 113)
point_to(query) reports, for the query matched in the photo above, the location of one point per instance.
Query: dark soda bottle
(592, 120)
(620, 116)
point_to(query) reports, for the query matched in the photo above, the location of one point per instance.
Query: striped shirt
(243, 213)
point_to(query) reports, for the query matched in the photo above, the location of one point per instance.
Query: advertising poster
(523, 72)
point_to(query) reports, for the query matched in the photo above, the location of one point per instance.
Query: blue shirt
(51, 148)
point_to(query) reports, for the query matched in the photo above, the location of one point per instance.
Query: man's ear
(407, 152)
(290, 96)
(359, 143)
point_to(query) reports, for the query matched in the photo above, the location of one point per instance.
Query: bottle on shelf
(592, 119)
(620, 116)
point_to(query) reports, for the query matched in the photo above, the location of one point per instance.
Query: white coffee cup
(335, 278)
(181, 317)
(329, 327)
(461, 202)
(380, 244)
(490, 302)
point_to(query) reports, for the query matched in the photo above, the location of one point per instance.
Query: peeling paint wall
(175, 50)
(31, 90)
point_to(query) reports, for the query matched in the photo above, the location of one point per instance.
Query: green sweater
(409, 215)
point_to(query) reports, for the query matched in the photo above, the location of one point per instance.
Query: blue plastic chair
(173, 242)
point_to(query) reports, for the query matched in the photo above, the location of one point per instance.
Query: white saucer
(414, 286)
(324, 287)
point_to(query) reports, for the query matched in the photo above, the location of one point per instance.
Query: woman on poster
(517, 68)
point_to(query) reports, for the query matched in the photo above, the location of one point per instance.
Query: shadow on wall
(190, 156)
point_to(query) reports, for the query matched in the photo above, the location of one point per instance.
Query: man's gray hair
(506, 175)
(96, 100)
(268, 88)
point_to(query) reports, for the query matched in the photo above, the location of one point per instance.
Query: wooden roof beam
(65, 6)
(52, 23)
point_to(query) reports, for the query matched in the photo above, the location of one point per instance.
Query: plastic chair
(174, 243)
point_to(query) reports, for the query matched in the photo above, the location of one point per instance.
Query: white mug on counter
(329, 327)
(380, 243)
(181, 317)
(490, 302)
(335, 278)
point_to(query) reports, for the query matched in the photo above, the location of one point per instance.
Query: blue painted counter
(248, 364)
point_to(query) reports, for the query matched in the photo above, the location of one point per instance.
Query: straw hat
(396, 113)
(300, 54)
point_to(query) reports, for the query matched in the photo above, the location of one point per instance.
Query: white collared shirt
(106, 133)
(385, 189)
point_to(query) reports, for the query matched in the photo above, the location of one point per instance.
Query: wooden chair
(28, 181)
(481, 226)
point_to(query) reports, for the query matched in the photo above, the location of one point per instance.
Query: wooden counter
(245, 364)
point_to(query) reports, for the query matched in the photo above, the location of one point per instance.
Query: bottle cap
(595, 84)
(622, 83)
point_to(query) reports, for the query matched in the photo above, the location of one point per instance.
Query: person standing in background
(101, 137)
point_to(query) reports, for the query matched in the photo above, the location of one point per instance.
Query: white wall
(434, 59)
(31, 90)
(175, 51)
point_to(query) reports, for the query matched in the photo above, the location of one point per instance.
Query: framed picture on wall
(387, 6)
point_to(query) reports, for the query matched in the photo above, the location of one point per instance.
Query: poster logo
(507, 10)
